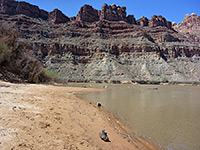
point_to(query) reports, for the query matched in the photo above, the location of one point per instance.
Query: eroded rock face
(191, 23)
(159, 21)
(174, 24)
(105, 45)
(113, 13)
(190, 27)
(131, 19)
(143, 21)
(88, 14)
(13, 7)
(56, 16)
(109, 12)
(73, 18)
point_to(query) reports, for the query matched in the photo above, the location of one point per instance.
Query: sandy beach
(47, 117)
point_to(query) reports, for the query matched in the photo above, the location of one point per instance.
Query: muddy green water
(168, 116)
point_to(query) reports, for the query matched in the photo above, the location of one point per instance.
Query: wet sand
(52, 117)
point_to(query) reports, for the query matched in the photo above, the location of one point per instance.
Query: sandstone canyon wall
(107, 44)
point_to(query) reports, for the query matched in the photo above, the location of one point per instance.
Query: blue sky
(172, 10)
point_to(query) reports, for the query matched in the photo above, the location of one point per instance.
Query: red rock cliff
(56, 16)
(113, 13)
(13, 7)
(159, 21)
(88, 14)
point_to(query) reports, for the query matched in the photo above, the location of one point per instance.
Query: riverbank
(52, 117)
(139, 82)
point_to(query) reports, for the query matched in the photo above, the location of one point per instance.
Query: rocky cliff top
(56, 16)
(12, 7)
(86, 14)
(116, 13)
(111, 22)
(190, 26)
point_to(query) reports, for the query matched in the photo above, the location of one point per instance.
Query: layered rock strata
(56, 16)
(13, 8)
(190, 27)
(87, 13)
(159, 21)
(113, 13)
(108, 45)
(143, 21)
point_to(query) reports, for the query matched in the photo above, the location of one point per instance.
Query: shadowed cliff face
(109, 45)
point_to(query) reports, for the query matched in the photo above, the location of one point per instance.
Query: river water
(167, 115)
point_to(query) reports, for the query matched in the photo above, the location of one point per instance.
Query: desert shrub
(153, 82)
(141, 82)
(16, 64)
(51, 73)
(55, 77)
(4, 52)
(195, 82)
(115, 81)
